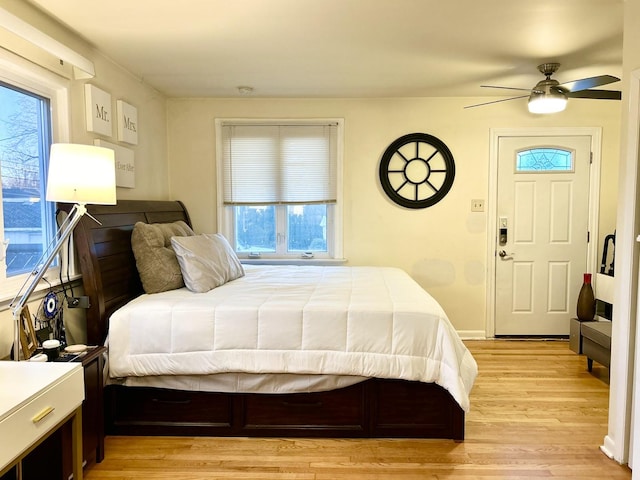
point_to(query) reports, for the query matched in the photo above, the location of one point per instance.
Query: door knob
(504, 255)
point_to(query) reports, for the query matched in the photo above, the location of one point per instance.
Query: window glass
(25, 139)
(307, 228)
(257, 232)
(544, 159)
(255, 229)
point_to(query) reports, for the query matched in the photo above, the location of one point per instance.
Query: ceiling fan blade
(496, 101)
(585, 83)
(597, 94)
(506, 88)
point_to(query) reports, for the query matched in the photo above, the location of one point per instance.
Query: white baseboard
(472, 334)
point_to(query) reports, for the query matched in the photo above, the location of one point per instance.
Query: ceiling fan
(550, 96)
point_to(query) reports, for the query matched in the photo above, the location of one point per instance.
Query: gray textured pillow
(207, 261)
(156, 261)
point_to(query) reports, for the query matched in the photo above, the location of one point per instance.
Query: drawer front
(412, 406)
(148, 406)
(344, 408)
(34, 420)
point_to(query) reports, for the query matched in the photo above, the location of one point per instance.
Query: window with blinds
(278, 187)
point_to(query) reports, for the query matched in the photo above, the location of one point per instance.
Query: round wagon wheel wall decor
(417, 170)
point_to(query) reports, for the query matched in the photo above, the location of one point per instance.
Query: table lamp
(78, 174)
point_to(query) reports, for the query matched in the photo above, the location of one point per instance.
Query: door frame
(622, 442)
(492, 202)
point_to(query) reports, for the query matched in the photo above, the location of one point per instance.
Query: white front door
(542, 220)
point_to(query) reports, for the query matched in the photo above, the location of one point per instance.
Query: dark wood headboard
(109, 274)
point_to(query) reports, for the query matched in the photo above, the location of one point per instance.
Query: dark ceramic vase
(586, 309)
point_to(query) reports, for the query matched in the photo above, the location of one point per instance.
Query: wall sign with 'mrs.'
(127, 122)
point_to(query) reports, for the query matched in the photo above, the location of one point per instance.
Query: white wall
(443, 247)
(150, 153)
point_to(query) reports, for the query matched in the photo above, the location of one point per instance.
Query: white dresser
(35, 400)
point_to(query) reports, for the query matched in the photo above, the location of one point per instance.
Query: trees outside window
(25, 139)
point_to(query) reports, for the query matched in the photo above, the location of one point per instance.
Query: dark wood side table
(93, 406)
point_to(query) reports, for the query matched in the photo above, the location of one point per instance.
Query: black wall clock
(417, 170)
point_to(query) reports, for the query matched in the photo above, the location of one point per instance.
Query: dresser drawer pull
(302, 404)
(172, 401)
(40, 416)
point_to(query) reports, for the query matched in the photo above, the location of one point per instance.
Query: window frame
(22, 74)
(226, 214)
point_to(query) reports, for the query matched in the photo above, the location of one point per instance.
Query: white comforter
(361, 321)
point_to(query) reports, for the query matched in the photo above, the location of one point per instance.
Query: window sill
(41, 290)
(294, 261)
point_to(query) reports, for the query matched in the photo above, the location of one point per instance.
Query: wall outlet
(78, 302)
(477, 205)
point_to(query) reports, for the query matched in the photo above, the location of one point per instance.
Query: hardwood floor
(536, 413)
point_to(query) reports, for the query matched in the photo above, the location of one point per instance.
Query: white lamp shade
(81, 174)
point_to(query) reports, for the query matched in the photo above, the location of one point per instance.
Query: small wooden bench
(596, 342)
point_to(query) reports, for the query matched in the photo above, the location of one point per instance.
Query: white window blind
(279, 164)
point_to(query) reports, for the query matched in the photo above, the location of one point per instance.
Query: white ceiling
(349, 48)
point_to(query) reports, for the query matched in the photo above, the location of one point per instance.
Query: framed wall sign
(127, 122)
(98, 110)
(125, 163)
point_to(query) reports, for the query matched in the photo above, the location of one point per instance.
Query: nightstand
(92, 408)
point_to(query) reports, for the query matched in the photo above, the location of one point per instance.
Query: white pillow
(207, 261)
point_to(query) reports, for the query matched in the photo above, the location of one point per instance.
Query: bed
(305, 359)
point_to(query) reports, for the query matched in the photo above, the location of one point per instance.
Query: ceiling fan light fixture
(550, 100)
(551, 96)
